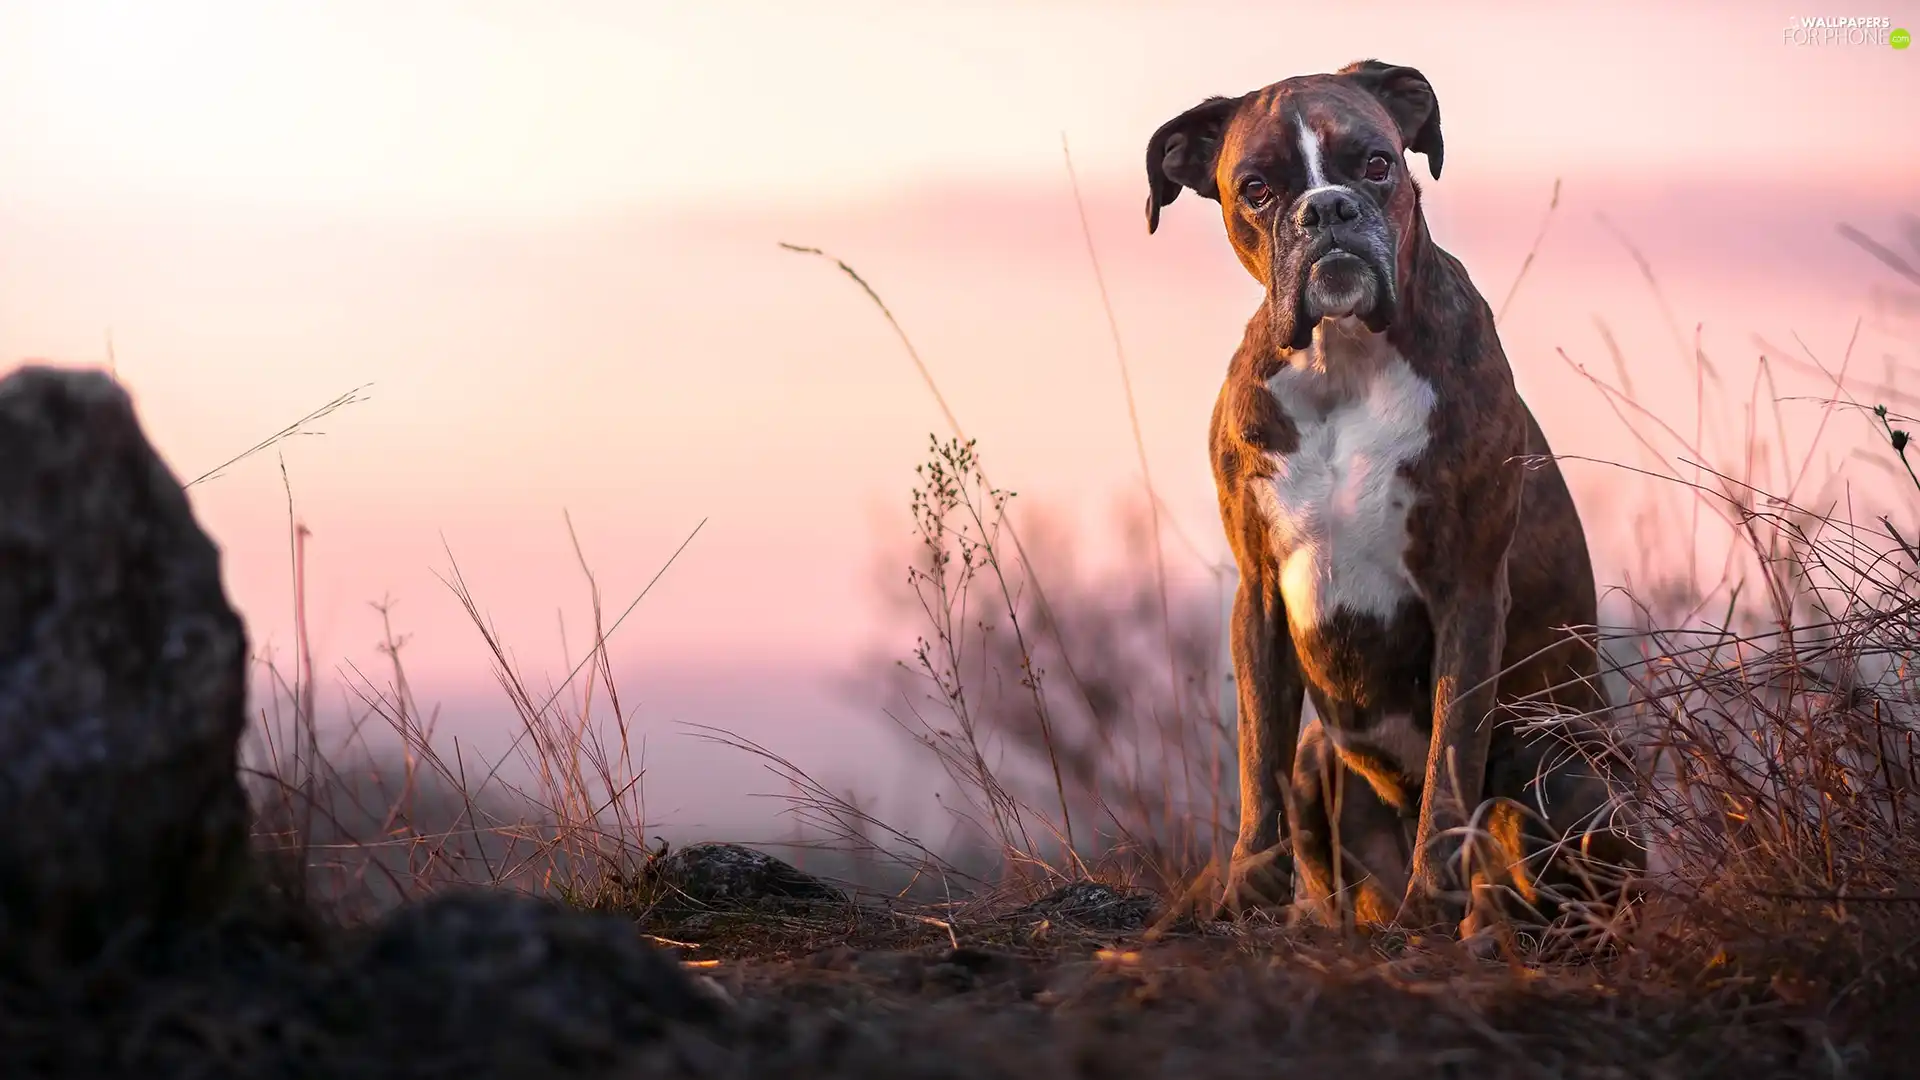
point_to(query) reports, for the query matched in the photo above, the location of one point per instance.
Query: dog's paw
(1422, 912)
(1263, 880)
(1481, 944)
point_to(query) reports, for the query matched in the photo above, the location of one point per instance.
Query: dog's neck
(1343, 354)
(1419, 287)
(1342, 342)
(1343, 361)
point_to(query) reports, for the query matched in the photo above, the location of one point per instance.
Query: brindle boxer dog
(1409, 555)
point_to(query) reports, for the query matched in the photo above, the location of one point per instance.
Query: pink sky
(546, 235)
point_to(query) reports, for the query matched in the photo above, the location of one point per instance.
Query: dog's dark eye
(1379, 167)
(1256, 192)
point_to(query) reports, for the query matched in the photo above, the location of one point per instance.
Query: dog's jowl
(1410, 559)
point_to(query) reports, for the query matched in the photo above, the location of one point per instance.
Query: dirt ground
(494, 984)
(1030, 997)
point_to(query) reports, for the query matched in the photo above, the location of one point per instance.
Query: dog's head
(1311, 176)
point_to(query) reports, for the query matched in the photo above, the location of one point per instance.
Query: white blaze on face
(1310, 154)
(1338, 504)
(1312, 158)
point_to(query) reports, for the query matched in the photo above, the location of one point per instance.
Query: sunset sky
(546, 234)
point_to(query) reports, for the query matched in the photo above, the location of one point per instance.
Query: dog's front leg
(1271, 694)
(1469, 637)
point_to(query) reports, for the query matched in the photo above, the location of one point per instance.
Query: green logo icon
(1900, 39)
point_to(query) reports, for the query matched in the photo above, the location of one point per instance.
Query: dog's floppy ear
(1410, 100)
(1183, 153)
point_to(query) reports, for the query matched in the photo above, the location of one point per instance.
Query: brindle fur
(1495, 545)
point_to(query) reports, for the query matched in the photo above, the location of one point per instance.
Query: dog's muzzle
(1336, 259)
(1340, 283)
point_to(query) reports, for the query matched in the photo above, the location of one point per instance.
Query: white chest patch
(1337, 504)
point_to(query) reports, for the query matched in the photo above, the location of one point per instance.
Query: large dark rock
(469, 986)
(498, 984)
(122, 681)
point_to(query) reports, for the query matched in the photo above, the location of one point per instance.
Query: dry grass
(383, 815)
(1101, 708)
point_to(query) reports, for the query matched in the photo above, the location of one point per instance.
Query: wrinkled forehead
(1332, 110)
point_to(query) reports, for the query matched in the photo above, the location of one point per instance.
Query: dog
(1410, 558)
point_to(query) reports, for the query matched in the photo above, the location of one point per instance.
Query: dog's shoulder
(1247, 422)
(1247, 427)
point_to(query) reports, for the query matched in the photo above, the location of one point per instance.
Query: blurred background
(541, 242)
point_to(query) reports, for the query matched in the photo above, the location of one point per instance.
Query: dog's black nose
(1325, 208)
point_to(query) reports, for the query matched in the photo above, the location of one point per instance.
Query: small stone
(1094, 905)
(733, 877)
